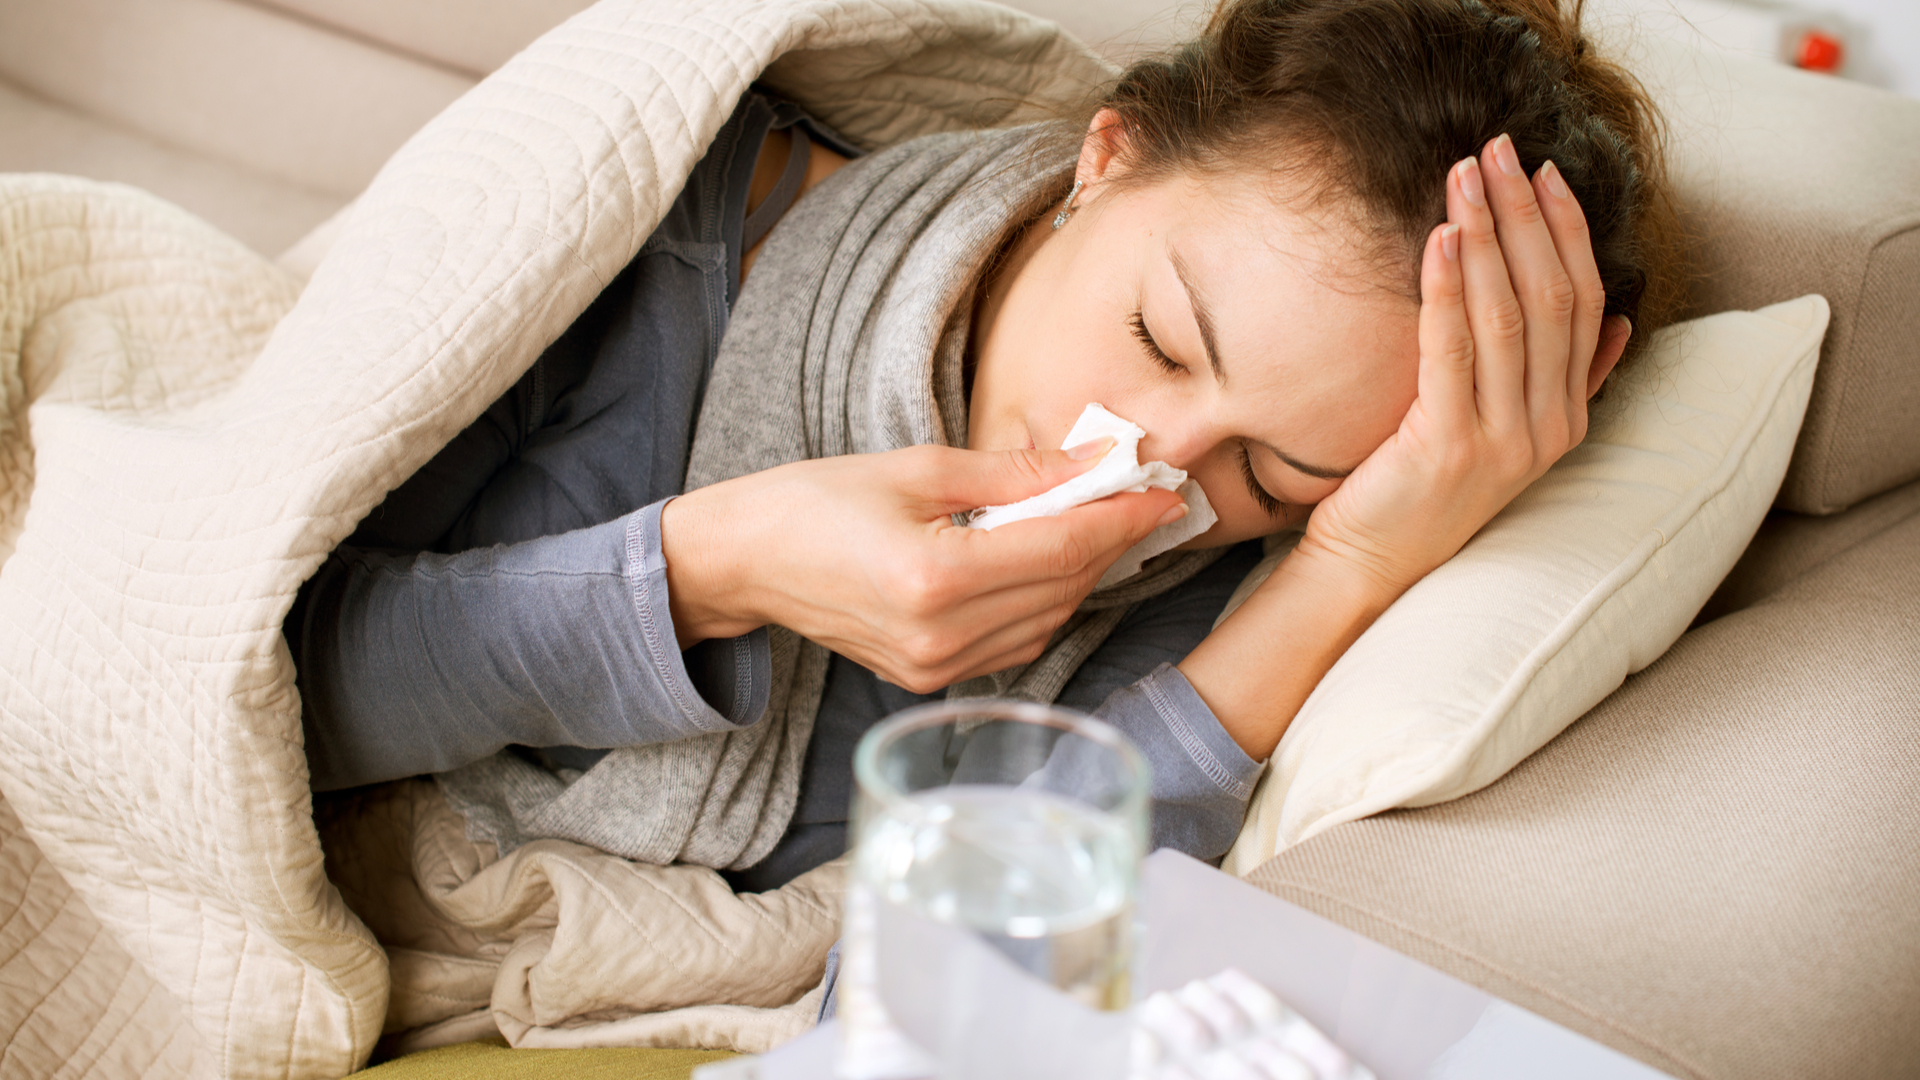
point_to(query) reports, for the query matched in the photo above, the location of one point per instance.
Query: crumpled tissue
(1119, 471)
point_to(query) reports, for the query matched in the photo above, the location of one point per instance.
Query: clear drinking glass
(991, 900)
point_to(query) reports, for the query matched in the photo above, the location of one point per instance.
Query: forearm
(420, 663)
(1259, 666)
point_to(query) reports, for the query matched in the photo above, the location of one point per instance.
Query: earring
(1066, 208)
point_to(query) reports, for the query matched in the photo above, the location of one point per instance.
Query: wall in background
(1885, 34)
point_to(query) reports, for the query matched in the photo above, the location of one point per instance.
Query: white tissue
(1119, 471)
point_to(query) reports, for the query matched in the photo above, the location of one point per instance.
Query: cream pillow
(1589, 576)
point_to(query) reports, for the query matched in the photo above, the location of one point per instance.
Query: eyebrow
(1202, 314)
(1311, 470)
(1203, 317)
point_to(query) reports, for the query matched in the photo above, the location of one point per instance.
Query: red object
(1819, 52)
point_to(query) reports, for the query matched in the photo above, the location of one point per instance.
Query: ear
(1614, 332)
(1102, 150)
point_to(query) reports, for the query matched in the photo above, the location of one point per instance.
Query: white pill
(1183, 1032)
(1315, 1049)
(1258, 1002)
(1227, 1065)
(1227, 1019)
(1147, 1049)
(1276, 1062)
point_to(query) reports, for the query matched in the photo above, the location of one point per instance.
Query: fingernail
(1629, 323)
(1174, 513)
(1450, 243)
(1555, 182)
(1092, 448)
(1504, 156)
(1469, 170)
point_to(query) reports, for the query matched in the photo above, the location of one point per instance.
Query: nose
(1180, 441)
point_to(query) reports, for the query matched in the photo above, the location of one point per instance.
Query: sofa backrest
(1791, 183)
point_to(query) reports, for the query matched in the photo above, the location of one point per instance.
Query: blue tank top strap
(806, 131)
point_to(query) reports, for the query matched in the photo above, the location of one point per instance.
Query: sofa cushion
(264, 213)
(1713, 871)
(1586, 577)
(227, 80)
(1789, 545)
(461, 35)
(1792, 183)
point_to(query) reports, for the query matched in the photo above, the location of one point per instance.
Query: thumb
(1087, 538)
(976, 478)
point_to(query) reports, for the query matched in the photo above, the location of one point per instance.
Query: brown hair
(1374, 100)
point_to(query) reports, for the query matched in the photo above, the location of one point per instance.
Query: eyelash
(1137, 324)
(1267, 502)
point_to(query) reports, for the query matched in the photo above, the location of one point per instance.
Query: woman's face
(1239, 333)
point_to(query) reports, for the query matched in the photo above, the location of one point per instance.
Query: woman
(1355, 265)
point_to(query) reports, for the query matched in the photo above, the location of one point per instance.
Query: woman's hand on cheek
(859, 554)
(1510, 320)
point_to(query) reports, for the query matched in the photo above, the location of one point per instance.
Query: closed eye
(1137, 325)
(1266, 502)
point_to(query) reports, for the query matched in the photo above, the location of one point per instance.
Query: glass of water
(991, 900)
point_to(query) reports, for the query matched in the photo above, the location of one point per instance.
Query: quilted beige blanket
(185, 431)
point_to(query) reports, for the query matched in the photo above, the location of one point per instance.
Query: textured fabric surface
(1789, 545)
(1714, 870)
(267, 214)
(58, 965)
(491, 1061)
(182, 443)
(1588, 576)
(227, 80)
(1792, 183)
(447, 33)
(560, 945)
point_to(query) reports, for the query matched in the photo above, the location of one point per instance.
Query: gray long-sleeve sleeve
(1202, 780)
(419, 663)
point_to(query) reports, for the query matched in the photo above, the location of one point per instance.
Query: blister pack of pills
(1229, 1027)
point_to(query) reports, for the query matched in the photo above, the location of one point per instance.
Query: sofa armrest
(1790, 183)
(1712, 871)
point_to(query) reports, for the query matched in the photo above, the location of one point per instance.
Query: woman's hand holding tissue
(860, 554)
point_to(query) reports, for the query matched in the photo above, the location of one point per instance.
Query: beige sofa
(1717, 871)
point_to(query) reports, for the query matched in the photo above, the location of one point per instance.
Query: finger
(924, 665)
(1021, 643)
(958, 480)
(1446, 341)
(1540, 283)
(1493, 313)
(1083, 540)
(1568, 224)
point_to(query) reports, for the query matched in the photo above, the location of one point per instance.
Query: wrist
(708, 589)
(1347, 580)
(1259, 666)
